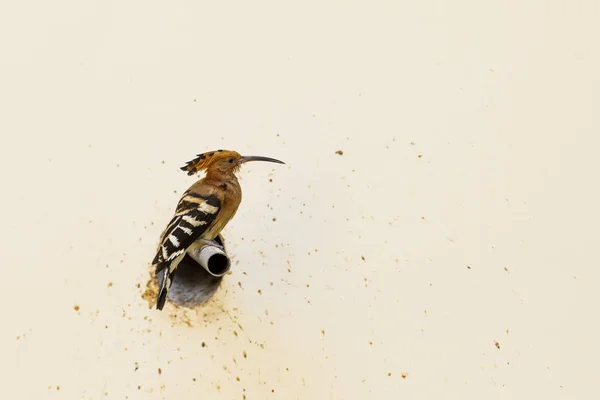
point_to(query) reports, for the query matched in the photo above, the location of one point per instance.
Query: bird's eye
(230, 160)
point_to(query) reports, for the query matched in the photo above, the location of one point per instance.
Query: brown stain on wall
(151, 289)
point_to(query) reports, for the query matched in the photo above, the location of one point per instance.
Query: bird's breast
(229, 206)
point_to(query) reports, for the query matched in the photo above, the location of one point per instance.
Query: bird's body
(229, 192)
(202, 212)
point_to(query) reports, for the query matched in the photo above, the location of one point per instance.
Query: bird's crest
(204, 161)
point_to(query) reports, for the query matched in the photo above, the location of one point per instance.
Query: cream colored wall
(449, 253)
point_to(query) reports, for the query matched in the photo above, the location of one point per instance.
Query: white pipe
(212, 258)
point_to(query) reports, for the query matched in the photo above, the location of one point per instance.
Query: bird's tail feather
(164, 289)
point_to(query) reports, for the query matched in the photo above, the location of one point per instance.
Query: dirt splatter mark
(76, 307)
(151, 291)
(339, 153)
(497, 344)
(404, 375)
(181, 317)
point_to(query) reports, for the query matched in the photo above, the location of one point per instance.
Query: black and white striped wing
(193, 216)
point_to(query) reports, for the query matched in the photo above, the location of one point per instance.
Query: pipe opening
(212, 259)
(218, 264)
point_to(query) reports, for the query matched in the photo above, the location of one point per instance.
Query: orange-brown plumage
(214, 161)
(203, 210)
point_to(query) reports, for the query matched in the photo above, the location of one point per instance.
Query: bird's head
(221, 161)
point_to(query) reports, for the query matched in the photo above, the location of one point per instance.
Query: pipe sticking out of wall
(212, 258)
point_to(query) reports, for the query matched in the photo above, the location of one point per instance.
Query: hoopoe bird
(202, 212)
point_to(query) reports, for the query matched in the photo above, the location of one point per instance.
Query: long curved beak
(259, 158)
